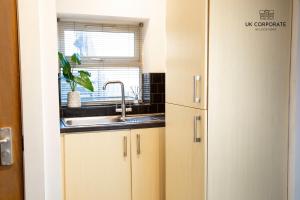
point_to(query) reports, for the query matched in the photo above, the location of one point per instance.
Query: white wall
(40, 110)
(294, 178)
(152, 11)
(38, 59)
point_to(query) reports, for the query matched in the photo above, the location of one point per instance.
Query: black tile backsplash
(153, 100)
(154, 91)
(103, 110)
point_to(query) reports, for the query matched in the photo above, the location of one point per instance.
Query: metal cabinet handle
(197, 138)
(125, 146)
(197, 78)
(138, 141)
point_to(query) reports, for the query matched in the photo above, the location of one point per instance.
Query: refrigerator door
(186, 77)
(249, 99)
(185, 153)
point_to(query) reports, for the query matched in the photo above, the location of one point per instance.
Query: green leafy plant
(83, 78)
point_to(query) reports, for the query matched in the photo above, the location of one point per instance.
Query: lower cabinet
(185, 150)
(147, 154)
(114, 165)
(97, 166)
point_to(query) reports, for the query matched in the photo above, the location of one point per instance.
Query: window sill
(107, 103)
(110, 109)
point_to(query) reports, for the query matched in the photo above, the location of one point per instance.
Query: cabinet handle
(197, 78)
(197, 138)
(138, 141)
(125, 146)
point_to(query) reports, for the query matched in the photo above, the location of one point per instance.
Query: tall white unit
(228, 65)
(186, 97)
(248, 99)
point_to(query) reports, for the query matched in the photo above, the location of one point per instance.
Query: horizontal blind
(101, 45)
(129, 76)
(109, 52)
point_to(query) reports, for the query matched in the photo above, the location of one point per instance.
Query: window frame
(90, 62)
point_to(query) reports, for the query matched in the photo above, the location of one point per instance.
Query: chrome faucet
(123, 105)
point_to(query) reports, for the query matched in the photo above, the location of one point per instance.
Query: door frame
(40, 103)
(294, 137)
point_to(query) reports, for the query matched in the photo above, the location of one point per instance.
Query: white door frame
(40, 106)
(294, 140)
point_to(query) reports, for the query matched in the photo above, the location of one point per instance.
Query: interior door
(97, 165)
(186, 77)
(11, 176)
(185, 153)
(147, 150)
(248, 112)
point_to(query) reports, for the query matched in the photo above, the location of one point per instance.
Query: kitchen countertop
(144, 124)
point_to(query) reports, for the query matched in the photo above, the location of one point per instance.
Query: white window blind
(108, 52)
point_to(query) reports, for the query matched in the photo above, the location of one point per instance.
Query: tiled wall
(154, 91)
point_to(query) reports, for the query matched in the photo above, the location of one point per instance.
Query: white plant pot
(74, 99)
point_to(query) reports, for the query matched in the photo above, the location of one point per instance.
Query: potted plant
(82, 78)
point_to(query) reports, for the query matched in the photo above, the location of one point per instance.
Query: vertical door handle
(125, 146)
(6, 157)
(197, 79)
(197, 137)
(138, 145)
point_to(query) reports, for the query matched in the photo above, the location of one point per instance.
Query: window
(108, 52)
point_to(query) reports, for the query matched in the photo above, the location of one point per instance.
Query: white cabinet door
(147, 147)
(97, 166)
(185, 153)
(248, 100)
(186, 26)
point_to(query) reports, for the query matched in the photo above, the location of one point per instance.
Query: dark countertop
(145, 124)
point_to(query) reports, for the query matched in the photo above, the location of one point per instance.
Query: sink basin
(109, 120)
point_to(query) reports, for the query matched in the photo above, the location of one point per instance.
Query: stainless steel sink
(110, 120)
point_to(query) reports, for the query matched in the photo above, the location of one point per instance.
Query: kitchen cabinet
(186, 153)
(186, 99)
(147, 152)
(248, 111)
(97, 165)
(114, 165)
(187, 33)
(247, 102)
